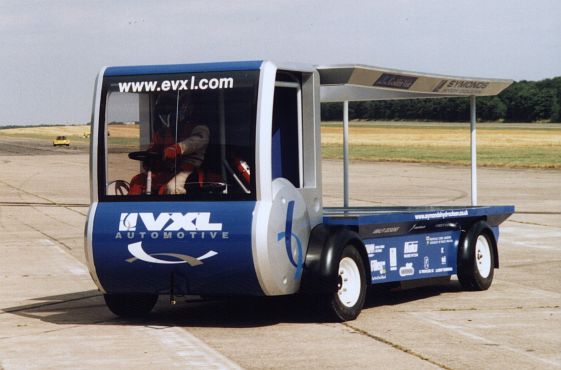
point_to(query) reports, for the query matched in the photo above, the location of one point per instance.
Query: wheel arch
(325, 247)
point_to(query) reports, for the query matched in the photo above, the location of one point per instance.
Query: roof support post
(473, 151)
(346, 153)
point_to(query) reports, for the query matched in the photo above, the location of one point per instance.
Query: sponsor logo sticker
(395, 81)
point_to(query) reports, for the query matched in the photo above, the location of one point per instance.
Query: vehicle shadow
(88, 308)
(383, 296)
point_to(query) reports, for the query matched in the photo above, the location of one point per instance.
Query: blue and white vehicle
(243, 214)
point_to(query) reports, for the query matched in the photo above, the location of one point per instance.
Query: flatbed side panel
(413, 256)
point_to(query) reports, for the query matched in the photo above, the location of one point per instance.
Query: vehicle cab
(231, 217)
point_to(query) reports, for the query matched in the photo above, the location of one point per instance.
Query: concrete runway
(51, 315)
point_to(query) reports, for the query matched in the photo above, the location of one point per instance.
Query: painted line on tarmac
(461, 331)
(396, 346)
(531, 231)
(70, 265)
(194, 353)
(42, 204)
(25, 191)
(537, 213)
(534, 246)
(533, 224)
(531, 236)
(536, 291)
(52, 239)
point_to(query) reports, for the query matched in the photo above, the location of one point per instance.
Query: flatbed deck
(360, 217)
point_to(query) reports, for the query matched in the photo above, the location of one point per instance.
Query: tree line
(523, 101)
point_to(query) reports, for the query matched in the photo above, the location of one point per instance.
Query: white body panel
(278, 272)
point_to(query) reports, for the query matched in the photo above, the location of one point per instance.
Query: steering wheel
(208, 187)
(144, 156)
(118, 187)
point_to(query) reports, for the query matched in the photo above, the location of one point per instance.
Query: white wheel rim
(483, 256)
(349, 281)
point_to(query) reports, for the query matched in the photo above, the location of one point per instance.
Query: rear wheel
(477, 258)
(346, 303)
(130, 305)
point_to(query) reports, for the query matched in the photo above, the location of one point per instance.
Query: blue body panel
(196, 247)
(182, 68)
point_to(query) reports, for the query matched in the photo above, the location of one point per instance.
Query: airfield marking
(189, 348)
(397, 346)
(461, 330)
(42, 204)
(69, 265)
(536, 291)
(19, 190)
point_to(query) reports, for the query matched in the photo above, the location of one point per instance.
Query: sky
(52, 50)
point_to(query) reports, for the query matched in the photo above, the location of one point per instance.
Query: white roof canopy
(344, 83)
(360, 82)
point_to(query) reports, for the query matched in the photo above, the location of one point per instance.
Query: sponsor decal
(426, 266)
(386, 230)
(440, 85)
(168, 225)
(410, 249)
(372, 248)
(139, 254)
(459, 86)
(174, 221)
(395, 81)
(393, 259)
(192, 83)
(441, 214)
(288, 235)
(437, 240)
(407, 270)
(378, 266)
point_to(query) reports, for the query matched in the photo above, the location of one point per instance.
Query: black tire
(130, 305)
(476, 258)
(347, 301)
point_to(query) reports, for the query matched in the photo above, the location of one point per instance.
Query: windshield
(178, 137)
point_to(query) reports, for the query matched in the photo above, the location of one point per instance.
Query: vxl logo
(167, 225)
(288, 235)
(174, 221)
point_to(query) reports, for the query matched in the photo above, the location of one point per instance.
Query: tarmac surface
(52, 316)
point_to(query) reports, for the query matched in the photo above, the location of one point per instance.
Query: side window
(286, 131)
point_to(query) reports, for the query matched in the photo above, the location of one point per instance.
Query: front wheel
(477, 258)
(130, 305)
(346, 303)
